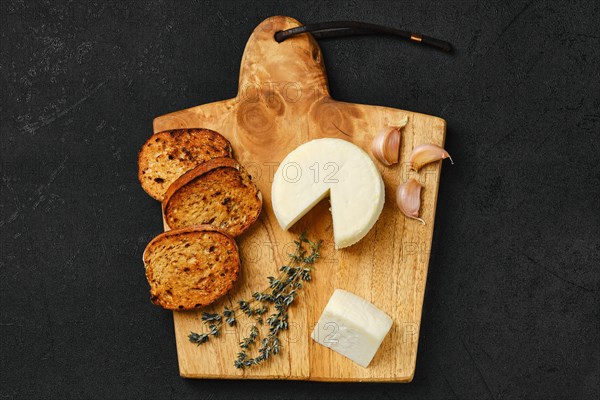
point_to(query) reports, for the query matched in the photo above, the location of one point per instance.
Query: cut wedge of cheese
(334, 168)
(352, 326)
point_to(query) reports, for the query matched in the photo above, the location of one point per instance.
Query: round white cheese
(334, 168)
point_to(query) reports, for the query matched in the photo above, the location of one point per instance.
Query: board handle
(353, 28)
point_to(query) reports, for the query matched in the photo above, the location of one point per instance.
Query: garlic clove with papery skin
(427, 153)
(408, 198)
(386, 144)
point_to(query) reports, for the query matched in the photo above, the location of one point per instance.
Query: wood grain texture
(283, 101)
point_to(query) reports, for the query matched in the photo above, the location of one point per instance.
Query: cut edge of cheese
(287, 226)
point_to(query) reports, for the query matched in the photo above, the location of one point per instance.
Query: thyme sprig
(280, 295)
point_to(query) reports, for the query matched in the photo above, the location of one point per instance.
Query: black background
(511, 306)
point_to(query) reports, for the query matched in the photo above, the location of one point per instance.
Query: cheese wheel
(334, 168)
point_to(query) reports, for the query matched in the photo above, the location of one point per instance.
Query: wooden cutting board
(283, 101)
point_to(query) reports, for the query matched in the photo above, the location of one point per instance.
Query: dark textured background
(512, 300)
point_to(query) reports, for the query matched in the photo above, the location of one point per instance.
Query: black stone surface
(512, 301)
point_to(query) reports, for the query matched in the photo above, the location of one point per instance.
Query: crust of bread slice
(218, 192)
(191, 268)
(169, 154)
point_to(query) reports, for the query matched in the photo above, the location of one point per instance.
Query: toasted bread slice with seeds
(168, 155)
(191, 268)
(218, 192)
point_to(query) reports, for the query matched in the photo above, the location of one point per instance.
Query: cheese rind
(352, 326)
(336, 168)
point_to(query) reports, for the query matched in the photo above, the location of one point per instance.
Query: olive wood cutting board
(283, 101)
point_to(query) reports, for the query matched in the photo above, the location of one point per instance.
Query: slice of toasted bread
(168, 155)
(218, 192)
(191, 268)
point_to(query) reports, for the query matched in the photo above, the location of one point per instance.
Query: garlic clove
(386, 144)
(408, 198)
(427, 153)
